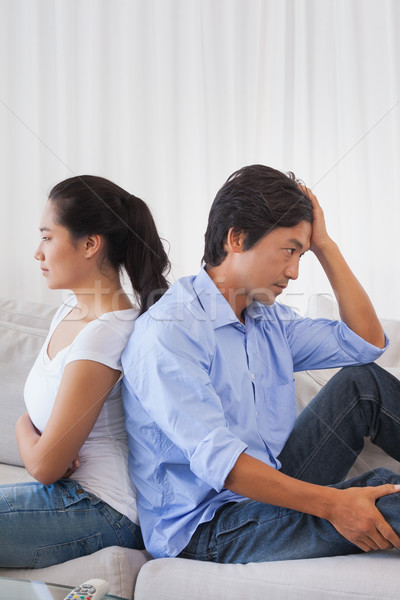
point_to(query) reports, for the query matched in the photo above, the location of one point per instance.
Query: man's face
(264, 271)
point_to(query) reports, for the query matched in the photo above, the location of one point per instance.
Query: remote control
(93, 589)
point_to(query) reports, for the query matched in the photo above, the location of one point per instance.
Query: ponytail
(146, 260)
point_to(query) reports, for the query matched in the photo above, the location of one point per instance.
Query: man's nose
(292, 270)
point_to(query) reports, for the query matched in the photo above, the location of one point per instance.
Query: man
(224, 471)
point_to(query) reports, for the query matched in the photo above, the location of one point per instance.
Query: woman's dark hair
(254, 200)
(88, 205)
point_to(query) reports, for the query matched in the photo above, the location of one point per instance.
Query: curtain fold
(169, 97)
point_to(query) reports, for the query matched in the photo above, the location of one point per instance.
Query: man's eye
(45, 239)
(291, 251)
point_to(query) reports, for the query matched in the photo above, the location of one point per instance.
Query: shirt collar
(213, 303)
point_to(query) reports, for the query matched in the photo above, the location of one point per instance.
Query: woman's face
(63, 260)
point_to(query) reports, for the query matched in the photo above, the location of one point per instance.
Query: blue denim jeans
(44, 525)
(328, 436)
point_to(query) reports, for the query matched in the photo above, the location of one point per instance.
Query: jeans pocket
(233, 531)
(58, 553)
(233, 540)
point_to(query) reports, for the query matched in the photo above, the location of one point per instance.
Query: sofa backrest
(23, 329)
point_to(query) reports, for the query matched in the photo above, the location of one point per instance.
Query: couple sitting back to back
(221, 468)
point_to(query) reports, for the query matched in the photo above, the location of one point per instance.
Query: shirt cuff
(215, 457)
(358, 348)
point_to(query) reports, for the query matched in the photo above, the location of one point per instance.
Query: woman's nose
(38, 255)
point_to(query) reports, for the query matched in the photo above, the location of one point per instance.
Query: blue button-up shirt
(200, 388)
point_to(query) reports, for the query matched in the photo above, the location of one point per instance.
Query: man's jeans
(328, 436)
(43, 525)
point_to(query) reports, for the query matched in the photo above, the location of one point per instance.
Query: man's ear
(93, 244)
(235, 240)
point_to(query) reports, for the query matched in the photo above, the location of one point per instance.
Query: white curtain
(169, 97)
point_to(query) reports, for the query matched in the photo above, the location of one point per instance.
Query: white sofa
(131, 573)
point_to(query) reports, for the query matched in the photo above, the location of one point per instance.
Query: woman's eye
(45, 239)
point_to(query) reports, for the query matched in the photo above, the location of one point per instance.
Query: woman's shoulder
(104, 339)
(120, 320)
(111, 329)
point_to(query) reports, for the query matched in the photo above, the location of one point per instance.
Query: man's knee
(368, 373)
(383, 475)
(371, 375)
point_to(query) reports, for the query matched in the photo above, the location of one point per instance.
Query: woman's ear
(235, 240)
(93, 244)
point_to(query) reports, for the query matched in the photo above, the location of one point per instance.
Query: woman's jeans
(328, 436)
(44, 525)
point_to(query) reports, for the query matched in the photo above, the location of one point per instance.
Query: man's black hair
(254, 200)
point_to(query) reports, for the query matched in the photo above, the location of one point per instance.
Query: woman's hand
(72, 468)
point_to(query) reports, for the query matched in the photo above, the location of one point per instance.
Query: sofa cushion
(19, 346)
(23, 312)
(118, 566)
(23, 329)
(366, 576)
(13, 474)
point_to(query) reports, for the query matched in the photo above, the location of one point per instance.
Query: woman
(91, 229)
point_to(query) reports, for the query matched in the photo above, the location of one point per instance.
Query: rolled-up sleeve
(321, 344)
(169, 374)
(215, 456)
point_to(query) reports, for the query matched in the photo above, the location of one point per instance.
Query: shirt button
(252, 376)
